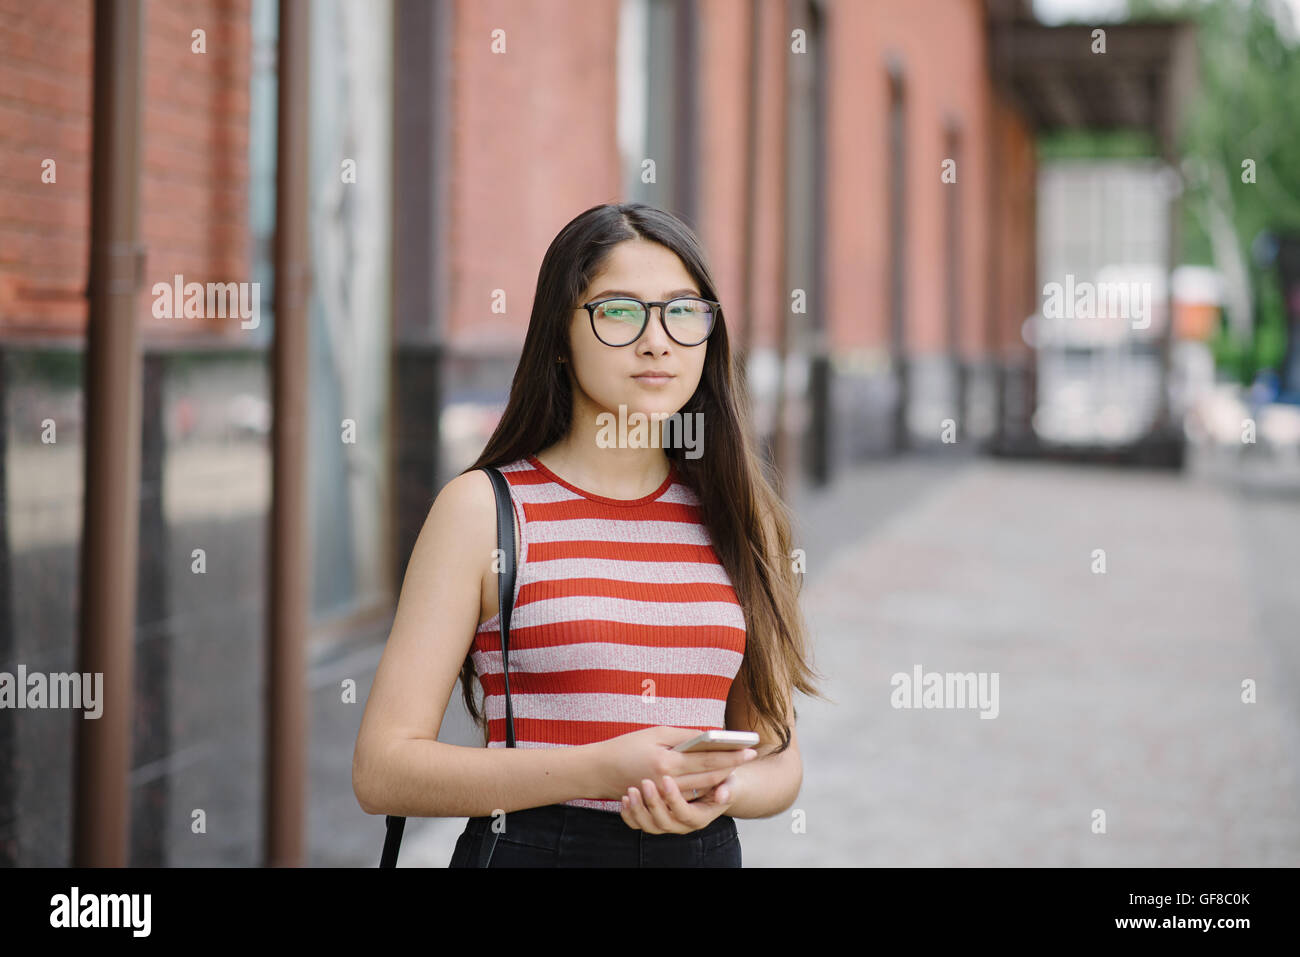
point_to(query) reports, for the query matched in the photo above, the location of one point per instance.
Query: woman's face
(605, 375)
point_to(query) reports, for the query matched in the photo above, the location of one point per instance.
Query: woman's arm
(769, 784)
(399, 766)
(427, 778)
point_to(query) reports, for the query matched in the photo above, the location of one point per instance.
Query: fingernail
(665, 783)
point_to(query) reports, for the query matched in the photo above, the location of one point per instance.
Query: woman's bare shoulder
(461, 519)
(469, 497)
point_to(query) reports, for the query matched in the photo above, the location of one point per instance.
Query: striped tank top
(623, 618)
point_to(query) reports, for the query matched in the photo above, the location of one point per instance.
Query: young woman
(654, 596)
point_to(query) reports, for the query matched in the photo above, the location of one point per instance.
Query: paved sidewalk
(1119, 691)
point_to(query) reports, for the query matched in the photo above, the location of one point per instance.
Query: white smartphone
(719, 741)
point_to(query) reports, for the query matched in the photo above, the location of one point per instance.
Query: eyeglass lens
(619, 321)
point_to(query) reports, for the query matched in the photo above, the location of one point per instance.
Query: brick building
(808, 142)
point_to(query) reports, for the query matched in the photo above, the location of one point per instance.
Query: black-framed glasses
(620, 321)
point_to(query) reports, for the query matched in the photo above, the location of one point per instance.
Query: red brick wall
(724, 110)
(194, 163)
(194, 177)
(946, 71)
(941, 44)
(534, 143)
(45, 101)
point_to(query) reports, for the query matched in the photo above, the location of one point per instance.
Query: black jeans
(561, 835)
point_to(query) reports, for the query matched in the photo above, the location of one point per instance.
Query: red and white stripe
(623, 618)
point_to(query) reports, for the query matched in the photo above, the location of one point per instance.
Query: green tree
(1241, 149)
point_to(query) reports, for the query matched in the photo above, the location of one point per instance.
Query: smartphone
(719, 741)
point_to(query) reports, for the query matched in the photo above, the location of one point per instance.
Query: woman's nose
(655, 335)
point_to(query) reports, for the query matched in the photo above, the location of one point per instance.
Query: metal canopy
(1142, 82)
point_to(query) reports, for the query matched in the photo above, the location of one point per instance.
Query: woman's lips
(653, 379)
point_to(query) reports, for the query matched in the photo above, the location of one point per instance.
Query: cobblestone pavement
(1117, 692)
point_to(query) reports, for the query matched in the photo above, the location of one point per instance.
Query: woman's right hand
(628, 759)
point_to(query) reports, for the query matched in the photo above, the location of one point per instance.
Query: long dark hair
(748, 524)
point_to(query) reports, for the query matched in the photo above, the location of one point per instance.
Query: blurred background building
(885, 188)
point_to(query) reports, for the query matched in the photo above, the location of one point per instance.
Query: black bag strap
(392, 840)
(505, 600)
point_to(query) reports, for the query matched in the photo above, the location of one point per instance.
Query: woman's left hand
(663, 809)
